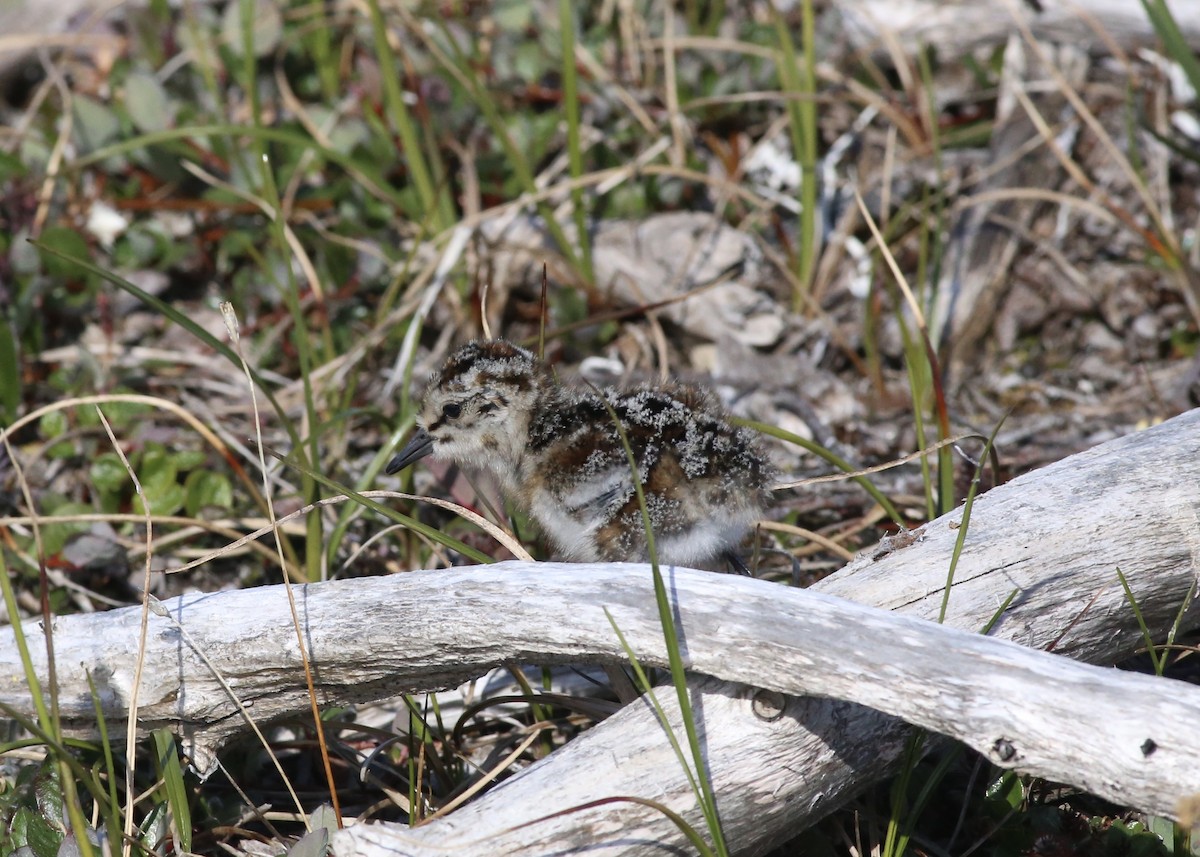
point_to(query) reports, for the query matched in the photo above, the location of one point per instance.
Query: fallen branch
(1055, 536)
(959, 27)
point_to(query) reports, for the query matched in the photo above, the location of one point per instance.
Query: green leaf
(119, 414)
(95, 125)
(513, 17)
(206, 489)
(180, 318)
(48, 793)
(23, 257)
(52, 425)
(59, 451)
(66, 241)
(157, 470)
(36, 832)
(108, 474)
(322, 825)
(11, 167)
(1007, 789)
(55, 534)
(348, 135)
(164, 500)
(529, 62)
(315, 843)
(265, 30)
(190, 459)
(154, 828)
(1163, 828)
(147, 103)
(323, 818)
(138, 247)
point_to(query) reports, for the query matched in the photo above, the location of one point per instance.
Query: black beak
(418, 446)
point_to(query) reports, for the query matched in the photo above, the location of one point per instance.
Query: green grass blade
(918, 385)
(1178, 625)
(176, 793)
(926, 793)
(183, 320)
(391, 514)
(457, 65)
(367, 175)
(113, 805)
(347, 514)
(31, 679)
(1174, 41)
(643, 681)
(707, 798)
(964, 524)
(431, 201)
(570, 82)
(995, 617)
(1156, 658)
(831, 457)
(901, 816)
(10, 372)
(68, 768)
(932, 274)
(269, 192)
(318, 42)
(797, 77)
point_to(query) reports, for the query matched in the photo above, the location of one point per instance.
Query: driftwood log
(1055, 538)
(957, 27)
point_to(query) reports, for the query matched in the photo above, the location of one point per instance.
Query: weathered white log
(956, 27)
(1102, 730)
(1054, 536)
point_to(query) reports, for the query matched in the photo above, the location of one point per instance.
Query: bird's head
(476, 409)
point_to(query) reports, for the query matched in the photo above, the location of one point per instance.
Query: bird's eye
(452, 411)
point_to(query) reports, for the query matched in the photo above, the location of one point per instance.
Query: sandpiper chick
(556, 453)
